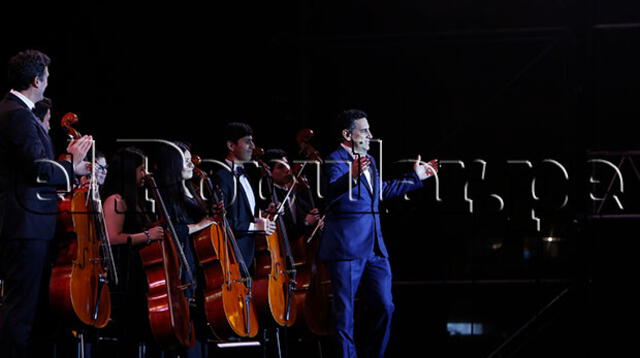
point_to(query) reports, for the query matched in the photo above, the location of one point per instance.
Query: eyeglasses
(101, 167)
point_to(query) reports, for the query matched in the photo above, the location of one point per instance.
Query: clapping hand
(426, 170)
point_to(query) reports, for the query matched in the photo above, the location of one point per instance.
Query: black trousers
(25, 267)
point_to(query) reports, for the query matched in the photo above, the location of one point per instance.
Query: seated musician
(173, 166)
(42, 110)
(299, 215)
(122, 206)
(100, 169)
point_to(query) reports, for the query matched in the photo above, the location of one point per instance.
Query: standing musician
(42, 110)
(173, 167)
(28, 206)
(123, 211)
(300, 217)
(69, 272)
(352, 245)
(101, 170)
(240, 199)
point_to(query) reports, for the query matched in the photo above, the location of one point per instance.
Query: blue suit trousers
(373, 275)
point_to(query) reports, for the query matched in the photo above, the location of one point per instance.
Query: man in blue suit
(352, 245)
(28, 205)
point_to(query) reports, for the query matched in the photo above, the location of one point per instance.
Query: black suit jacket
(238, 211)
(28, 175)
(302, 206)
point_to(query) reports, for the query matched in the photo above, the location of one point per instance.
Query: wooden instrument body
(75, 278)
(314, 295)
(273, 281)
(228, 304)
(318, 296)
(78, 285)
(225, 291)
(167, 305)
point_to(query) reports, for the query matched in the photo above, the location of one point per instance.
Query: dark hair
(236, 130)
(24, 67)
(121, 178)
(41, 108)
(97, 155)
(346, 119)
(271, 154)
(168, 165)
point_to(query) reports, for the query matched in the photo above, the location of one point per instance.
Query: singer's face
(43, 83)
(361, 136)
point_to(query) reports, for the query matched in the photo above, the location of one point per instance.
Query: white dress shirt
(244, 181)
(367, 173)
(248, 191)
(24, 99)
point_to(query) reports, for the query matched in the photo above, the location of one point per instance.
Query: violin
(228, 301)
(275, 267)
(163, 261)
(85, 265)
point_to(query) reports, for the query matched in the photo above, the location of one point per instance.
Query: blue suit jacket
(352, 225)
(28, 205)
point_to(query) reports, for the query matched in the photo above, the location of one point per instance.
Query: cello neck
(281, 224)
(218, 197)
(101, 231)
(166, 218)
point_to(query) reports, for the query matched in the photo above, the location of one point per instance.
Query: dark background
(458, 80)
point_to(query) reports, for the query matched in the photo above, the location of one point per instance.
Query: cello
(167, 304)
(228, 301)
(314, 282)
(79, 279)
(275, 267)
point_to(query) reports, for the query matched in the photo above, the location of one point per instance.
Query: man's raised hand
(425, 170)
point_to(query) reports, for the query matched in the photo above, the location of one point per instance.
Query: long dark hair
(168, 165)
(121, 178)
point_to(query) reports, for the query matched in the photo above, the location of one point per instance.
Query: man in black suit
(28, 205)
(42, 110)
(300, 217)
(240, 199)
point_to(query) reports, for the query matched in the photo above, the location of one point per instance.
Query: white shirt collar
(24, 99)
(248, 190)
(367, 173)
(349, 150)
(233, 165)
